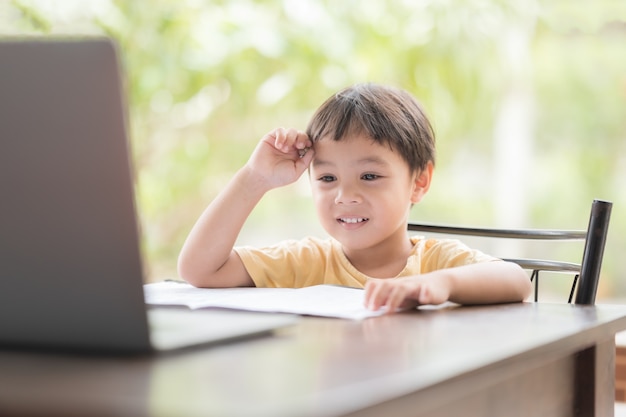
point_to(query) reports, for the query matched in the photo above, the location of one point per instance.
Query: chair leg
(535, 276)
(571, 293)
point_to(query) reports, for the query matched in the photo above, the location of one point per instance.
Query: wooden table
(520, 359)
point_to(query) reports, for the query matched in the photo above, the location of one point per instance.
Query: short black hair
(386, 114)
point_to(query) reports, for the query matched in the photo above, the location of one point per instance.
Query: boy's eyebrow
(373, 160)
(376, 160)
(319, 162)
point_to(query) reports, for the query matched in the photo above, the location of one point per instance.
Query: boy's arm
(207, 258)
(481, 283)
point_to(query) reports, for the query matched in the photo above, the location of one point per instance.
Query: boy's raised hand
(277, 159)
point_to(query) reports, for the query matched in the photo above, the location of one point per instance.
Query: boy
(370, 153)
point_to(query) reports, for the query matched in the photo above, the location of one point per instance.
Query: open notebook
(317, 300)
(70, 264)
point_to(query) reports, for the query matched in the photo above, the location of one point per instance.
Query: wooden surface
(620, 367)
(513, 359)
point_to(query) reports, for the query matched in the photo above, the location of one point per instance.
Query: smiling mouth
(353, 220)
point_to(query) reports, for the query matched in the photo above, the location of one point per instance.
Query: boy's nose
(347, 195)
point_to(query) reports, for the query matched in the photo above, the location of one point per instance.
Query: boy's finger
(395, 299)
(424, 295)
(302, 141)
(375, 295)
(370, 286)
(280, 139)
(306, 156)
(289, 139)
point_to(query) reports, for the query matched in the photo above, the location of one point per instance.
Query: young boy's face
(363, 191)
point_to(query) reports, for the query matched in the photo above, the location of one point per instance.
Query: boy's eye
(326, 178)
(369, 177)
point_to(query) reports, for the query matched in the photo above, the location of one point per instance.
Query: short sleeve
(449, 253)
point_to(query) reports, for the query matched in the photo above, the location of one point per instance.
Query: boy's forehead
(350, 138)
(353, 141)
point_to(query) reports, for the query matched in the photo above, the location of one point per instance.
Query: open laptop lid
(70, 267)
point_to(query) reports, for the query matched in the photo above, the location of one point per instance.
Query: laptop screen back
(70, 268)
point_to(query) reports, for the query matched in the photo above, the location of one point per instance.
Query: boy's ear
(421, 183)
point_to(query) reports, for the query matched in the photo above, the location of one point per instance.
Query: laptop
(70, 263)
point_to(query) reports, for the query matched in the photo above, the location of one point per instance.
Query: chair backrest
(586, 274)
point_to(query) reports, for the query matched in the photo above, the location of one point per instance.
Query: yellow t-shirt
(314, 261)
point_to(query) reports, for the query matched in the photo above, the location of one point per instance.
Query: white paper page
(319, 300)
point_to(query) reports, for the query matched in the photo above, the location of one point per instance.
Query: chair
(586, 274)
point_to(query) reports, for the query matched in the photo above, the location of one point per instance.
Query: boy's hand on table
(406, 292)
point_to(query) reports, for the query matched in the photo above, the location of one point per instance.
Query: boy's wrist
(250, 183)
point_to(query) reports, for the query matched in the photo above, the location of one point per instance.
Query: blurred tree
(207, 78)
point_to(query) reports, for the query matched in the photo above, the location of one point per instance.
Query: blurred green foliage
(206, 79)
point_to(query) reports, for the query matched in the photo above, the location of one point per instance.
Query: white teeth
(353, 220)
